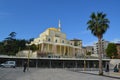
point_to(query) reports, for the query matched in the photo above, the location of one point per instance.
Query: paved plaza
(48, 74)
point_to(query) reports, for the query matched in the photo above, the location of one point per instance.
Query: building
(90, 49)
(118, 49)
(104, 46)
(27, 53)
(53, 42)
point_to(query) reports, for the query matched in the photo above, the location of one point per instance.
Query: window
(62, 41)
(49, 39)
(56, 41)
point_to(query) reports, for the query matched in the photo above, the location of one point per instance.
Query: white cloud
(117, 40)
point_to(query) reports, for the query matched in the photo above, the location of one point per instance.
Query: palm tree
(98, 24)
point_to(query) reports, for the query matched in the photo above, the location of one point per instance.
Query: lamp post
(84, 62)
(28, 56)
(38, 45)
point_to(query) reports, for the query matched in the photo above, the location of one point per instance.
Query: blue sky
(29, 18)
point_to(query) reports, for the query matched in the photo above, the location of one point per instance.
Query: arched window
(62, 41)
(56, 40)
(49, 39)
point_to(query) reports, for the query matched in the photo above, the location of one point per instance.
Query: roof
(75, 40)
(117, 43)
(54, 29)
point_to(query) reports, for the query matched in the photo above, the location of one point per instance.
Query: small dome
(54, 29)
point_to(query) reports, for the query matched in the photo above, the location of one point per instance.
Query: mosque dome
(54, 29)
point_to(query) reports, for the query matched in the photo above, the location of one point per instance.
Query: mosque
(53, 42)
(55, 51)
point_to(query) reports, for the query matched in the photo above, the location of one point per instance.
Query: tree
(11, 45)
(111, 50)
(31, 39)
(1, 48)
(98, 24)
(11, 36)
(33, 47)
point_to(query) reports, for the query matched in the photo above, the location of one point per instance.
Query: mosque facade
(54, 42)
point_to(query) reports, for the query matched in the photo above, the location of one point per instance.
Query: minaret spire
(59, 25)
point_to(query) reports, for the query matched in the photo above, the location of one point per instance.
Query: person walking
(119, 67)
(116, 68)
(107, 68)
(25, 66)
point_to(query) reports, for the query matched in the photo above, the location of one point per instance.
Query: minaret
(59, 26)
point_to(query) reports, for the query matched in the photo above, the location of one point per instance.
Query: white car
(9, 64)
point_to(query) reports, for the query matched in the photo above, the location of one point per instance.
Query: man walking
(25, 66)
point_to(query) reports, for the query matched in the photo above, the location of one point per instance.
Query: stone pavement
(47, 74)
(106, 74)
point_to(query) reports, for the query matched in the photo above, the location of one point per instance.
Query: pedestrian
(116, 68)
(119, 67)
(107, 68)
(25, 66)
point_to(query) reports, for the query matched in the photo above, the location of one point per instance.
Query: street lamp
(28, 55)
(38, 45)
(84, 62)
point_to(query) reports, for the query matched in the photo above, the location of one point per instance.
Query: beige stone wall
(54, 41)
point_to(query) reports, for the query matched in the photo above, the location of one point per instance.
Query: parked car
(8, 64)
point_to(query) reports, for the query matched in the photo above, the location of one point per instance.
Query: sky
(29, 18)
